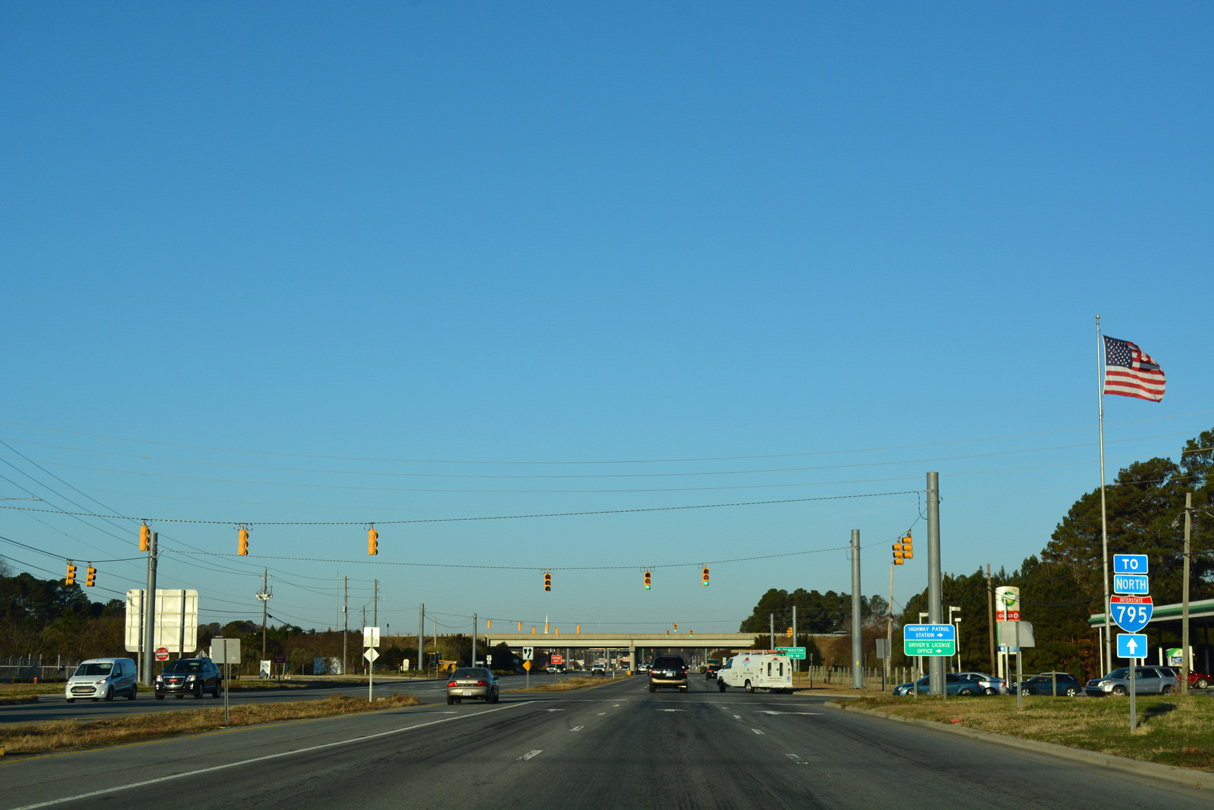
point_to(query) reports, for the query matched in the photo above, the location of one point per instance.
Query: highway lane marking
(796, 759)
(737, 717)
(171, 777)
(756, 731)
(803, 714)
(600, 714)
(577, 728)
(530, 754)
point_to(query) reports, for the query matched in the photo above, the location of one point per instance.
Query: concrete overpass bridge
(645, 643)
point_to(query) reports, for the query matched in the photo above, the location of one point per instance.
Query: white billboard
(176, 620)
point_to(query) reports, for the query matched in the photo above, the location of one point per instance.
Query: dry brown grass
(1173, 729)
(67, 735)
(564, 686)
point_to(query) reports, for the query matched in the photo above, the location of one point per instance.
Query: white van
(99, 678)
(757, 669)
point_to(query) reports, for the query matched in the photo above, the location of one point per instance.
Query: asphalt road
(612, 746)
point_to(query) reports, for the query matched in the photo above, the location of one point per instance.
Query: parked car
(954, 684)
(474, 683)
(188, 676)
(1197, 680)
(1060, 684)
(990, 684)
(1147, 681)
(99, 678)
(668, 672)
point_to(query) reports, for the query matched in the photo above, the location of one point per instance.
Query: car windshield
(95, 669)
(1124, 672)
(184, 665)
(471, 672)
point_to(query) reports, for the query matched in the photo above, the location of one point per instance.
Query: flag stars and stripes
(1130, 372)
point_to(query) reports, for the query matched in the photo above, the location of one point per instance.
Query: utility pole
(149, 612)
(264, 595)
(345, 633)
(772, 617)
(857, 643)
(375, 607)
(421, 630)
(935, 666)
(889, 625)
(990, 611)
(1185, 663)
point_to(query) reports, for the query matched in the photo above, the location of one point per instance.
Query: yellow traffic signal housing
(676, 627)
(144, 536)
(547, 581)
(646, 580)
(243, 536)
(908, 551)
(372, 540)
(91, 576)
(70, 579)
(788, 633)
(705, 577)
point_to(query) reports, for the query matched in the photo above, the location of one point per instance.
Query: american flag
(1130, 372)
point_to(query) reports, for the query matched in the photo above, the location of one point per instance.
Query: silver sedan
(474, 683)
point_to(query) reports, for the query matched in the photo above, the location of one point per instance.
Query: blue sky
(308, 266)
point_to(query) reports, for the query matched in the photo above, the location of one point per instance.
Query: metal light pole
(951, 610)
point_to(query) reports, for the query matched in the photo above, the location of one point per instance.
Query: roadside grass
(72, 735)
(1172, 729)
(564, 686)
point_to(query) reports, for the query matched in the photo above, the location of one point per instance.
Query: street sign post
(1132, 613)
(371, 641)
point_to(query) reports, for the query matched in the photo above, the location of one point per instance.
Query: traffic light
(705, 577)
(897, 554)
(91, 579)
(145, 535)
(547, 581)
(520, 627)
(71, 573)
(788, 633)
(372, 541)
(908, 553)
(579, 629)
(489, 624)
(667, 634)
(691, 633)
(676, 627)
(646, 580)
(243, 534)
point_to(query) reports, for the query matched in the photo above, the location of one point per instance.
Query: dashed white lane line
(796, 760)
(577, 728)
(757, 731)
(530, 754)
(600, 714)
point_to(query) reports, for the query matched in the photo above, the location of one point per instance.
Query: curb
(1154, 770)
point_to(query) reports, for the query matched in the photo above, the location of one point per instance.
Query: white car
(990, 684)
(103, 678)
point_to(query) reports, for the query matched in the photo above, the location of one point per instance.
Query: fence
(16, 669)
(841, 677)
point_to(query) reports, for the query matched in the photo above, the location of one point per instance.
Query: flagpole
(1107, 657)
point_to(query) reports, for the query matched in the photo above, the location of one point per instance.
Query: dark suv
(668, 671)
(189, 676)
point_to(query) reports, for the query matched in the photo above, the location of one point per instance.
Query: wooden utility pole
(990, 614)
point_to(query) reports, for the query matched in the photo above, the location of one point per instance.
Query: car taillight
(450, 683)
(482, 683)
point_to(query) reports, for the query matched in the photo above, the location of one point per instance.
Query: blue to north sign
(1134, 584)
(1130, 564)
(1131, 645)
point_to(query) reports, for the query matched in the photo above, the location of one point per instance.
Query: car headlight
(159, 679)
(1105, 686)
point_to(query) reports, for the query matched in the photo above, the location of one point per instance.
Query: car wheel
(134, 691)
(450, 700)
(1202, 683)
(1119, 690)
(965, 691)
(198, 693)
(990, 690)
(1072, 691)
(1167, 690)
(652, 688)
(749, 687)
(109, 694)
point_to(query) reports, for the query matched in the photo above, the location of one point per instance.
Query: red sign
(556, 659)
(162, 653)
(280, 659)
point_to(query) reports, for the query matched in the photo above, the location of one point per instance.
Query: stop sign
(162, 653)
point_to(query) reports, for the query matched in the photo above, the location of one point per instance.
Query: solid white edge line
(266, 758)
